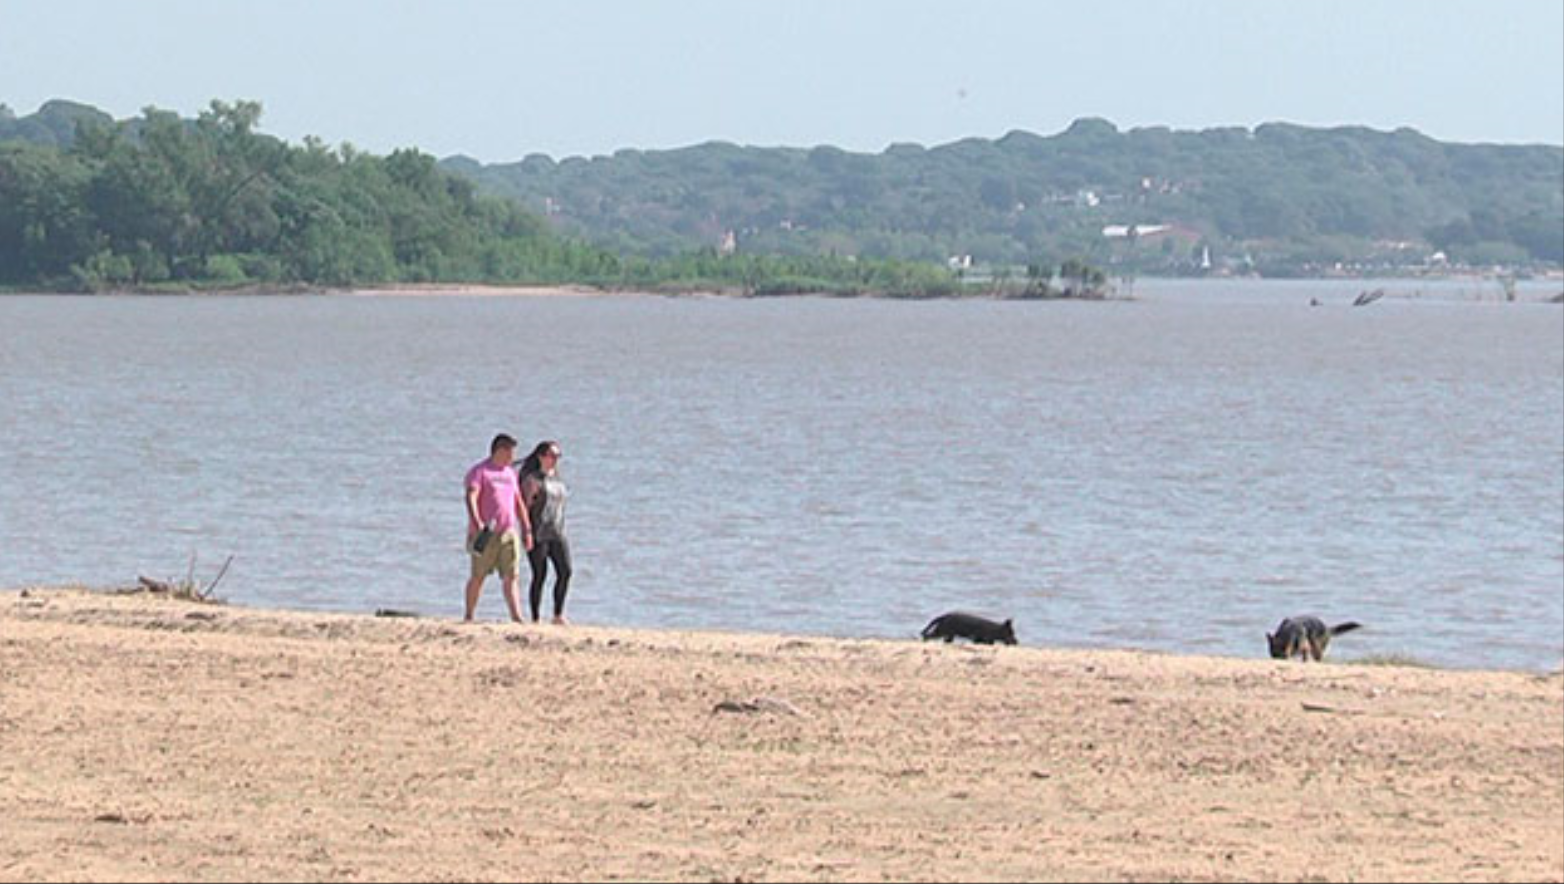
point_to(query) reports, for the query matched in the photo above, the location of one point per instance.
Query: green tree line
(1280, 194)
(163, 201)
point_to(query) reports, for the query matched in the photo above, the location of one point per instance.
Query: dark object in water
(1368, 297)
(970, 626)
(392, 612)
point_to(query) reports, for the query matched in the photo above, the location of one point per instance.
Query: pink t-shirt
(498, 491)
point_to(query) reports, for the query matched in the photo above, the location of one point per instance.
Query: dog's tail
(928, 631)
(1345, 627)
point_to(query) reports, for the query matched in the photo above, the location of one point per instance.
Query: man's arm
(472, 511)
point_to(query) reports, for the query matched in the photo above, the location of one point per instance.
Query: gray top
(545, 496)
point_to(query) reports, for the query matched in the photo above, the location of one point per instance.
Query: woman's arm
(526, 523)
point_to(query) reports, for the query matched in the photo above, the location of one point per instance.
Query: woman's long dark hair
(533, 463)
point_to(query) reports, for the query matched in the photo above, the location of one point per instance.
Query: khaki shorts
(503, 554)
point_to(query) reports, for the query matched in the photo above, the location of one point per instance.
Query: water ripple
(1176, 474)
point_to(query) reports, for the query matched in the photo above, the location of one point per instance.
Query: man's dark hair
(501, 441)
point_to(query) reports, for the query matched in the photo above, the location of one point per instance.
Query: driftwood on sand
(189, 589)
(770, 705)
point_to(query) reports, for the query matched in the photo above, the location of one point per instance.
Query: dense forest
(89, 203)
(1277, 199)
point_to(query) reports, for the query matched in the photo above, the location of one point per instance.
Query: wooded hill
(137, 201)
(1285, 198)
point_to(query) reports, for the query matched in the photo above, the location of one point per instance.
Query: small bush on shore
(189, 589)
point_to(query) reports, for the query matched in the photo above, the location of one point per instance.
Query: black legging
(556, 550)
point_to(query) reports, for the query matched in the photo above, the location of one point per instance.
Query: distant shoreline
(486, 290)
(579, 290)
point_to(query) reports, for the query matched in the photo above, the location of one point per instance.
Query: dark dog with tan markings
(1305, 637)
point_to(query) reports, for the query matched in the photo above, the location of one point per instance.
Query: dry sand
(142, 738)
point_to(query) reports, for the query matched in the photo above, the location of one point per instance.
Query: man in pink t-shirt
(497, 519)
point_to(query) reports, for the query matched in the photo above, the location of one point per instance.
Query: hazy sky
(498, 80)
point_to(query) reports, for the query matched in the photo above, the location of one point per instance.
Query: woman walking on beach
(543, 493)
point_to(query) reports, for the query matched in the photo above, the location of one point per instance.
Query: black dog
(1305, 637)
(980, 630)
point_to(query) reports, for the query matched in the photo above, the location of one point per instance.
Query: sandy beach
(147, 739)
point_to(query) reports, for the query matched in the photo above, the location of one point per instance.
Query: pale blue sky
(499, 80)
